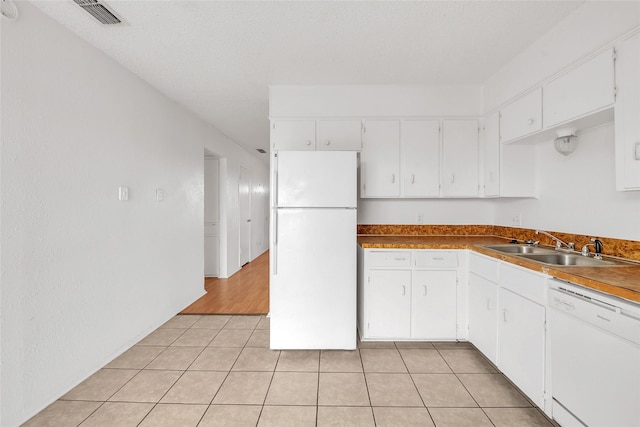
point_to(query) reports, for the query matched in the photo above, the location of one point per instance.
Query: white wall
(85, 276)
(433, 211)
(590, 27)
(374, 101)
(577, 192)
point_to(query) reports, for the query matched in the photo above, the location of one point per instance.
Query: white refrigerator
(312, 296)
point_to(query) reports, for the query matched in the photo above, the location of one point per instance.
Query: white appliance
(595, 358)
(312, 294)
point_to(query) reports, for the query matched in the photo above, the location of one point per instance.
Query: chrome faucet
(597, 245)
(559, 243)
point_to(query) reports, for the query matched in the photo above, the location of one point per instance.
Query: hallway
(246, 292)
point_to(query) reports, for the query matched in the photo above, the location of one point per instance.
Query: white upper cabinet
(460, 158)
(380, 159)
(294, 135)
(491, 156)
(580, 91)
(522, 117)
(627, 115)
(339, 135)
(420, 158)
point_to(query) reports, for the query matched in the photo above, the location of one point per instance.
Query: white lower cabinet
(389, 303)
(404, 295)
(483, 304)
(521, 344)
(507, 323)
(483, 315)
(522, 348)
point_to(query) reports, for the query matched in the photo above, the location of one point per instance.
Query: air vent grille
(99, 11)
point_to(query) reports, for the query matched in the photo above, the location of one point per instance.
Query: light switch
(159, 195)
(123, 193)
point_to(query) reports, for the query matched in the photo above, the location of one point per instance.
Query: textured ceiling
(219, 57)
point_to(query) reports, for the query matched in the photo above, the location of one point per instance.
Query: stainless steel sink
(562, 259)
(520, 249)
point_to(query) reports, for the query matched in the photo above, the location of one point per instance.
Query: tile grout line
(415, 386)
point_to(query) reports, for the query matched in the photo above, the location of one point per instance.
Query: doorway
(244, 212)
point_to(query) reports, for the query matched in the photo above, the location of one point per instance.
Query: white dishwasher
(595, 357)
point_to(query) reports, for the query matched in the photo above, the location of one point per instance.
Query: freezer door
(316, 179)
(313, 280)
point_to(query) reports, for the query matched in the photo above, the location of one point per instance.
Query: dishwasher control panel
(611, 314)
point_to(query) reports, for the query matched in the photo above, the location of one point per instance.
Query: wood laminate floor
(246, 292)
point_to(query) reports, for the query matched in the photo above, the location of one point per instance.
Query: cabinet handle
(328, 142)
(637, 151)
(393, 178)
(504, 315)
(531, 121)
(453, 178)
(437, 258)
(308, 142)
(399, 259)
(490, 176)
(489, 304)
(404, 290)
(425, 290)
(413, 178)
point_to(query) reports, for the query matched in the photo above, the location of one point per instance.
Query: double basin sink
(551, 256)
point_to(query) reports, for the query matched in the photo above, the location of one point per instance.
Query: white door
(313, 279)
(521, 343)
(244, 212)
(380, 160)
(483, 317)
(420, 158)
(339, 135)
(434, 305)
(491, 157)
(293, 135)
(211, 216)
(389, 306)
(460, 158)
(316, 179)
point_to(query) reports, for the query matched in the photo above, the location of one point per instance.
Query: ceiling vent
(100, 11)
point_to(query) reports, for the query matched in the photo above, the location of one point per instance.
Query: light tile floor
(218, 371)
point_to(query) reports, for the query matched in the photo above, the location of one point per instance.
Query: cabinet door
(460, 158)
(627, 115)
(483, 315)
(389, 304)
(585, 89)
(420, 158)
(434, 305)
(522, 117)
(339, 135)
(521, 344)
(294, 135)
(380, 160)
(491, 156)
(211, 258)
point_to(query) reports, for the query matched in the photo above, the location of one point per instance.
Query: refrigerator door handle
(275, 241)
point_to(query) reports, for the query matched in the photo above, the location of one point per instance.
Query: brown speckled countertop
(622, 281)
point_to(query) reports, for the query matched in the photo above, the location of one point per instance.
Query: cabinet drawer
(389, 259)
(483, 266)
(522, 282)
(435, 259)
(211, 229)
